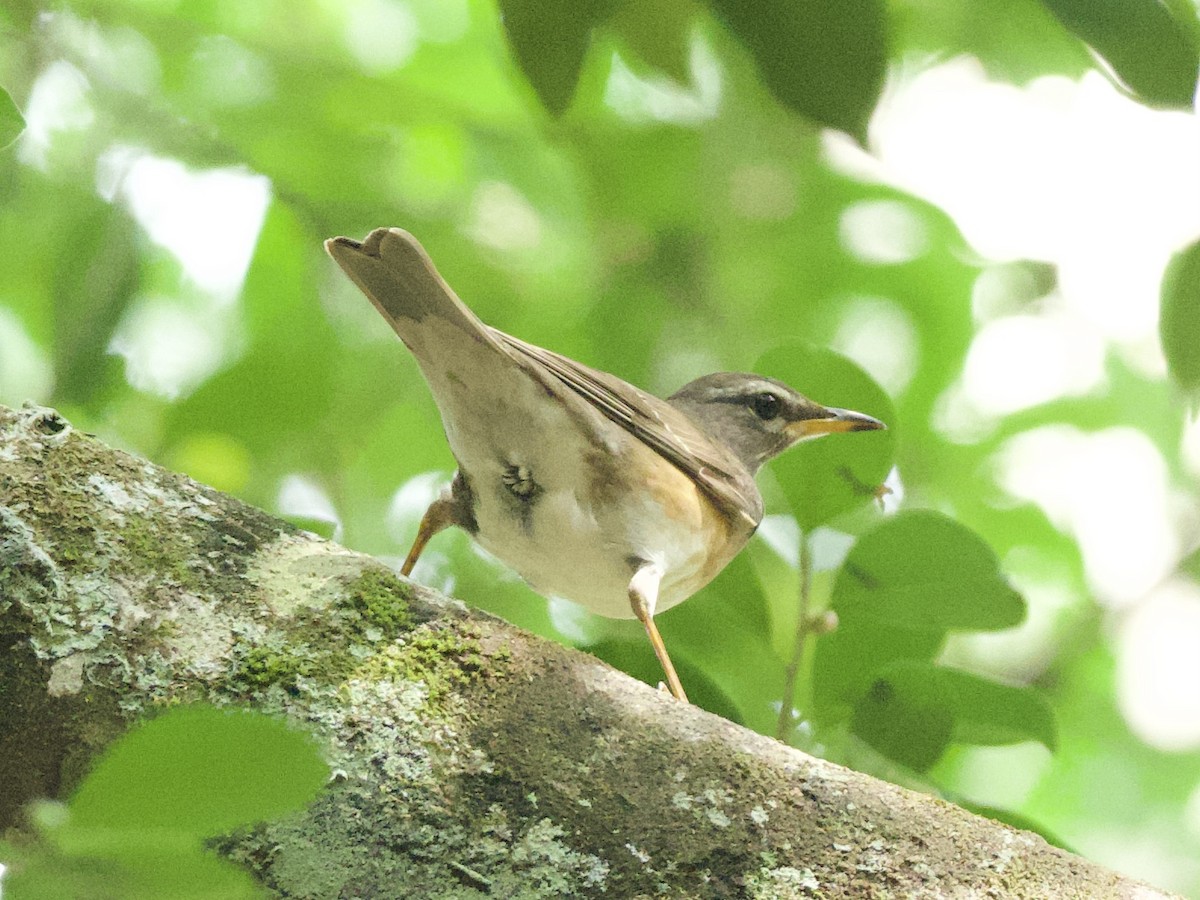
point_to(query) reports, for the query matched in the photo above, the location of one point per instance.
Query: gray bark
(473, 760)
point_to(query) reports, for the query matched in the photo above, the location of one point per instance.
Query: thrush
(591, 489)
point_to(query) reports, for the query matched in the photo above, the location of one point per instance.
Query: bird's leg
(439, 516)
(643, 595)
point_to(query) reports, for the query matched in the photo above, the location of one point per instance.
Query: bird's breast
(575, 520)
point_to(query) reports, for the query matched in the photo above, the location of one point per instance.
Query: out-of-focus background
(967, 201)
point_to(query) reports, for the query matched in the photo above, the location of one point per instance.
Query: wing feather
(656, 423)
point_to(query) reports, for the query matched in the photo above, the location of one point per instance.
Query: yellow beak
(833, 420)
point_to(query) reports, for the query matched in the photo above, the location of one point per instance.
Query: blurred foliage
(645, 187)
(135, 827)
(549, 41)
(826, 61)
(1152, 46)
(11, 121)
(913, 710)
(1179, 319)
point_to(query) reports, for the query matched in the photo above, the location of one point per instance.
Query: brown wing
(654, 422)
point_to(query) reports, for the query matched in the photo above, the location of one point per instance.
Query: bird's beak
(831, 420)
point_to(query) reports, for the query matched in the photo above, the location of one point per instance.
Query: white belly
(571, 551)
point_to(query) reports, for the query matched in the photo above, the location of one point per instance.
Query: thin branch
(803, 628)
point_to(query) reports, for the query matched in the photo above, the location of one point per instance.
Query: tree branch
(472, 759)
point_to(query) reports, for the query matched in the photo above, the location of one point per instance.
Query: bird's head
(759, 417)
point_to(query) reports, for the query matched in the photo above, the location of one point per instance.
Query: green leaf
(717, 631)
(98, 273)
(847, 660)
(1016, 820)
(913, 710)
(36, 871)
(1179, 319)
(323, 528)
(824, 477)
(923, 570)
(1016, 40)
(198, 771)
(549, 39)
(657, 32)
(134, 827)
(630, 653)
(12, 123)
(128, 869)
(824, 60)
(710, 638)
(1150, 45)
(912, 730)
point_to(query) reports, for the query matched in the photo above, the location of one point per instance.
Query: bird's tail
(397, 275)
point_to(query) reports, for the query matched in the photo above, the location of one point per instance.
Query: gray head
(758, 417)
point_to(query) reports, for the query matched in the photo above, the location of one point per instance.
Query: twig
(803, 627)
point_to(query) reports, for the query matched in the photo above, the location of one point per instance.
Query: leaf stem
(803, 625)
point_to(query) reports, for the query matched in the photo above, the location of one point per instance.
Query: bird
(590, 488)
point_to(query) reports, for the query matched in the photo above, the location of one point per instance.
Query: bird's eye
(766, 406)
